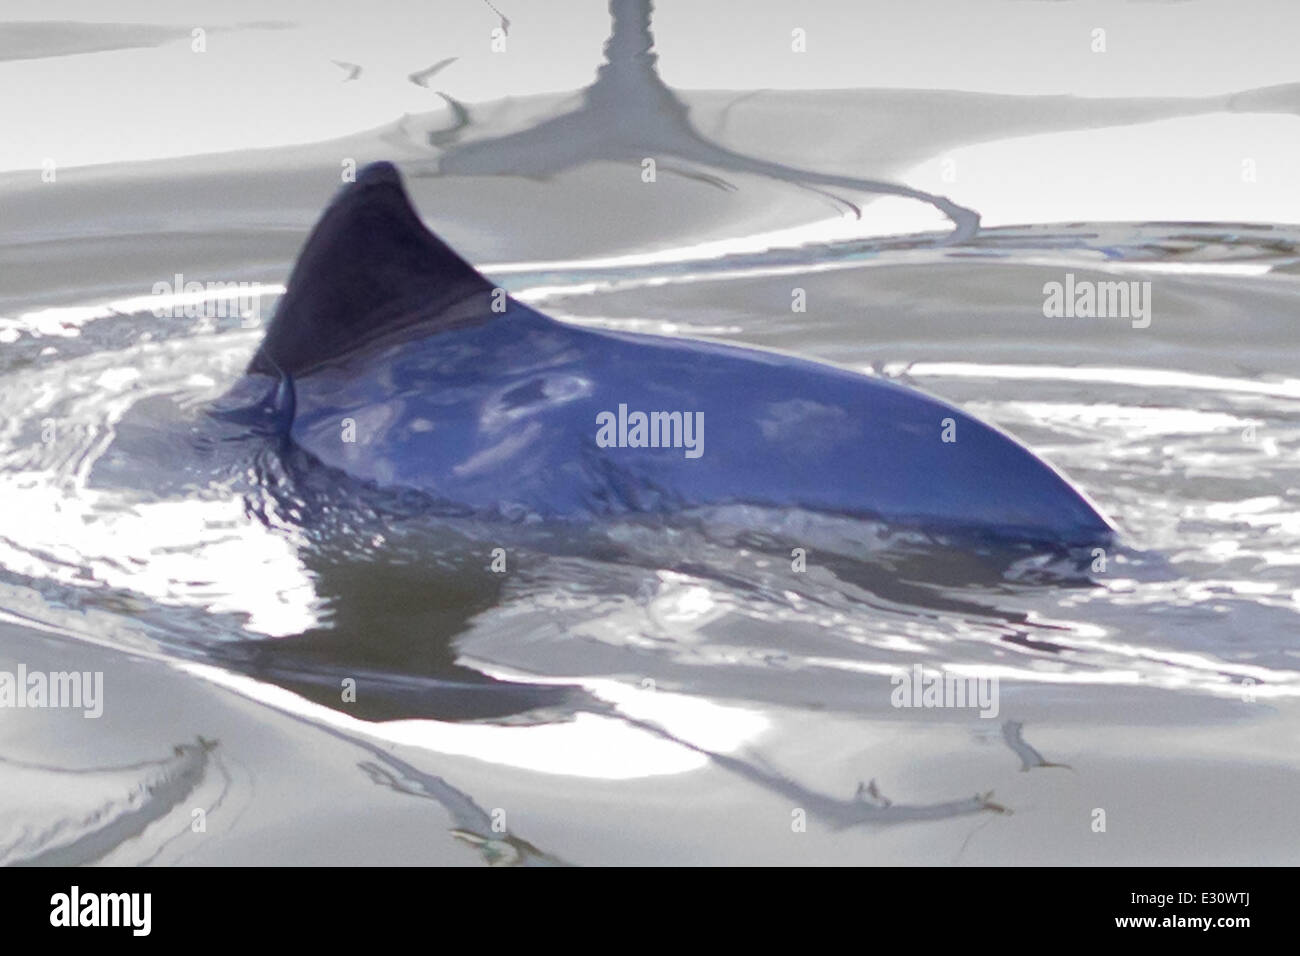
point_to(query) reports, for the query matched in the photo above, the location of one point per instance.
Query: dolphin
(392, 360)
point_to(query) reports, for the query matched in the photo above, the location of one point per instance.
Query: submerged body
(392, 360)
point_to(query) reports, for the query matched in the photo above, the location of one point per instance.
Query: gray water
(665, 691)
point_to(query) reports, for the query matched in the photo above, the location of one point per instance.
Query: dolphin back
(394, 362)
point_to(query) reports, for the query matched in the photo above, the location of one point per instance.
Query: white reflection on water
(587, 745)
(1137, 377)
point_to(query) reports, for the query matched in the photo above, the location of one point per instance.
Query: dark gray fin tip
(369, 269)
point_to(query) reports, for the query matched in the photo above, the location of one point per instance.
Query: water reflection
(70, 817)
(1030, 759)
(628, 115)
(472, 825)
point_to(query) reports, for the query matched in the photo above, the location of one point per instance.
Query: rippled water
(634, 649)
(638, 690)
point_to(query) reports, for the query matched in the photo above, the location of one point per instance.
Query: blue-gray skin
(387, 337)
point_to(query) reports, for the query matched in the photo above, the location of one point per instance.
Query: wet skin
(394, 361)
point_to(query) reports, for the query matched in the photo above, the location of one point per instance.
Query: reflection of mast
(629, 75)
(629, 113)
(630, 37)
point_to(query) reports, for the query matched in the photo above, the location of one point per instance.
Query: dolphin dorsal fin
(369, 269)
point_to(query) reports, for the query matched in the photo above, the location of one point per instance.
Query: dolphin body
(391, 359)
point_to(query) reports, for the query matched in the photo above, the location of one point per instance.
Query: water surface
(649, 691)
